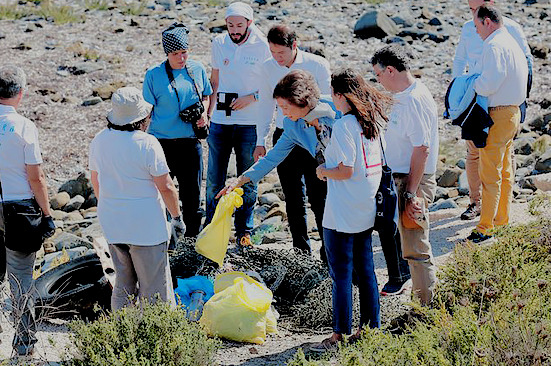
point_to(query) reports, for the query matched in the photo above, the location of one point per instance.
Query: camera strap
(172, 81)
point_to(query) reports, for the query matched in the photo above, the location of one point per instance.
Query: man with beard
(237, 58)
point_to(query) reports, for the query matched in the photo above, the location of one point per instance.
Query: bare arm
(37, 181)
(214, 79)
(341, 172)
(169, 193)
(95, 182)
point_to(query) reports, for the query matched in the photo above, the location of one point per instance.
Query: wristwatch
(409, 196)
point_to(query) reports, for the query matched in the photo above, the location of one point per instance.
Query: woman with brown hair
(352, 170)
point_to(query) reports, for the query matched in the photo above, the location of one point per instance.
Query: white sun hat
(128, 106)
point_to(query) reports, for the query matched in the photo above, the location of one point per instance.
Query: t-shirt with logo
(130, 208)
(350, 203)
(240, 72)
(18, 147)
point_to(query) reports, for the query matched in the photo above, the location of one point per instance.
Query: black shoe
(394, 288)
(471, 212)
(477, 237)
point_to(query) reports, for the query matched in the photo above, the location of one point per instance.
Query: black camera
(224, 100)
(192, 114)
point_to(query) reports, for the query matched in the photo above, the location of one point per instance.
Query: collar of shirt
(494, 35)
(6, 109)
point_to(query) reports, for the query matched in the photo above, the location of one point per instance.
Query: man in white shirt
(467, 59)
(503, 79)
(237, 57)
(412, 152)
(23, 191)
(299, 168)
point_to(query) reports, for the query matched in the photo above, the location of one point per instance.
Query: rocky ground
(73, 69)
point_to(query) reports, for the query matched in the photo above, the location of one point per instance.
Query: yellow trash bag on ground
(240, 310)
(212, 241)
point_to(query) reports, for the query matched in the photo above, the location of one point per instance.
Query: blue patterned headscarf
(175, 38)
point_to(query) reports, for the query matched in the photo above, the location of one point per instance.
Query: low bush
(493, 307)
(150, 335)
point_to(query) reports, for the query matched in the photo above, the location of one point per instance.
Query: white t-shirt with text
(18, 147)
(350, 203)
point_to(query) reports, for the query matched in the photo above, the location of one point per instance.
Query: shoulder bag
(386, 198)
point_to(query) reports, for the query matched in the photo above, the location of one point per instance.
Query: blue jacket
(295, 133)
(468, 110)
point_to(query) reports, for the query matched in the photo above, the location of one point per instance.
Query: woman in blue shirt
(169, 96)
(308, 123)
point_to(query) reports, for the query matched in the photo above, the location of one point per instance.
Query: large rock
(541, 145)
(542, 181)
(106, 91)
(78, 186)
(74, 204)
(375, 24)
(539, 50)
(268, 199)
(449, 177)
(443, 204)
(523, 145)
(60, 200)
(544, 163)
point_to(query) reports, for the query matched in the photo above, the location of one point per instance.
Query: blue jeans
(352, 255)
(222, 139)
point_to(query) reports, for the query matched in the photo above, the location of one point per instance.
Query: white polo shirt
(18, 147)
(240, 72)
(273, 73)
(413, 122)
(469, 50)
(504, 71)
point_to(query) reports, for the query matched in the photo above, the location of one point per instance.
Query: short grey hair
(12, 81)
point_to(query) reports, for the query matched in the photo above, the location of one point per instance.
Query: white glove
(178, 227)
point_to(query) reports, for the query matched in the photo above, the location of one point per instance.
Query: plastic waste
(240, 310)
(212, 241)
(188, 286)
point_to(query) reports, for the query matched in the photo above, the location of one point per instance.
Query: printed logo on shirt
(226, 62)
(250, 60)
(370, 152)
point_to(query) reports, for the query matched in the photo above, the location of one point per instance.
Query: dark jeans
(222, 139)
(185, 160)
(348, 255)
(397, 266)
(297, 172)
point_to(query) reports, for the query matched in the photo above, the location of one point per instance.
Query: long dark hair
(128, 127)
(368, 104)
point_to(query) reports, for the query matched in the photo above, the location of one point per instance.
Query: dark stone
(545, 103)
(92, 101)
(539, 50)
(402, 22)
(375, 24)
(396, 39)
(544, 163)
(435, 21)
(523, 145)
(449, 177)
(81, 185)
(423, 34)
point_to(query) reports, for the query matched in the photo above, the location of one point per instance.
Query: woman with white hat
(131, 180)
(178, 88)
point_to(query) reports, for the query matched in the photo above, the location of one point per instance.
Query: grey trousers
(19, 268)
(416, 247)
(141, 272)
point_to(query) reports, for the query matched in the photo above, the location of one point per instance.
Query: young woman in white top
(353, 173)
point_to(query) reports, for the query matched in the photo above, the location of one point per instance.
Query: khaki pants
(496, 169)
(141, 271)
(416, 247)
(473, 177)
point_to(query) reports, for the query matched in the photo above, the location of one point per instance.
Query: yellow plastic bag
(212, 241)
(239, 311)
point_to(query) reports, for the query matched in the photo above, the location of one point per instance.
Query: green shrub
(12, 12)
(134, 7)
(492, 307)
(151, 335)
(96, 4)
(60, 14)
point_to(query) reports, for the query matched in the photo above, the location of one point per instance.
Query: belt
(502, 107)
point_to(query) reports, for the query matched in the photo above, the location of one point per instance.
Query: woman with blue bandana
(178, 89)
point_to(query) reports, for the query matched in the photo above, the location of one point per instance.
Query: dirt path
(446, 231)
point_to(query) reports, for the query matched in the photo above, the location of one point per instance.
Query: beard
(237, 38)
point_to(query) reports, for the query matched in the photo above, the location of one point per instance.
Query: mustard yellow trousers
(496, 170)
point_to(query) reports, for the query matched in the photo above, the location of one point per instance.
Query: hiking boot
(392, 288)
(477, 237)
(472, 211)
(328, 344)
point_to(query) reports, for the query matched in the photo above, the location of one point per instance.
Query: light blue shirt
(295, 133)
(165, 121)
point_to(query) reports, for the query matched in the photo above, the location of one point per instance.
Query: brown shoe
(472, 211)
(328, 344)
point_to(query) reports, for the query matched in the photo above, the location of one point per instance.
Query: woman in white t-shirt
(353, 173)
